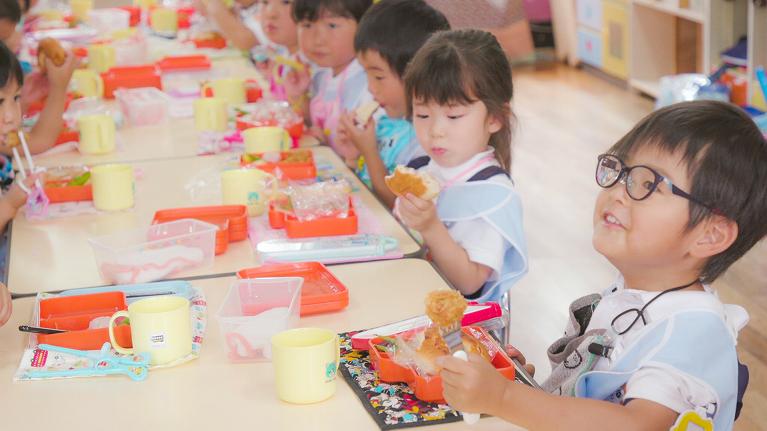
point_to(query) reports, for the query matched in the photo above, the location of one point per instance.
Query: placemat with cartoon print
(392, 405)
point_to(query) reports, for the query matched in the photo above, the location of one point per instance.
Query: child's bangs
(442, 80)
(311, 10)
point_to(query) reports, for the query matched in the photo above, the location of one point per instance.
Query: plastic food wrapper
(322, 199)
(269, 113)
(408, 350)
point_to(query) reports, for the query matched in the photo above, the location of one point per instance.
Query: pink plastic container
(143, 106)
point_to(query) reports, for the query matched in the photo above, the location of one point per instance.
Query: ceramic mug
(97, 133)
(164, 20)
(266, 139)
(160, 326)
(305, 364)
(230, 89)
(113, 187)
(101, 57)
(80, 8)
(88, 83)
(210, 114)
(250, 187)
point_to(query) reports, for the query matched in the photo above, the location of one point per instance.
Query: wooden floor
(566, 117)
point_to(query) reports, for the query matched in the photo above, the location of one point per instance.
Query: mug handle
(112, 339)
(287, 141)
(99, 85)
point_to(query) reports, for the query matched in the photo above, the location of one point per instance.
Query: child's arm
(296, 84)
(230, 25)
(45, 132)
(452, 259)
(476, 386)
(365, 141)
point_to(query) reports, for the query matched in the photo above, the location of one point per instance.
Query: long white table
(55, 254)
(210, 393)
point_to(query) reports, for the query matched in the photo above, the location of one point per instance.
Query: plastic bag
(318, 200)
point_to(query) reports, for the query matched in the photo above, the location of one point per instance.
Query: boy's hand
(16, 196)
(59, 76)
(6, 304)
(363, 139)
(417, 213)
(516, 354)
(297, 83)
(472, 386)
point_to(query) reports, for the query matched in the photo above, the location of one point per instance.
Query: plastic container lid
(143, 106)
(322, 292)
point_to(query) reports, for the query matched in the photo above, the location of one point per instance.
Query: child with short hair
(390, 140)
(326, 35)
(50, 85)
(684, 197)
(11, 80)
(459, 92)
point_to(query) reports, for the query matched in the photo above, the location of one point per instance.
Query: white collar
(445, 174)
(350, 70)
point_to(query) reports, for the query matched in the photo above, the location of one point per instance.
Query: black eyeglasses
(640, 180)
(623, 322)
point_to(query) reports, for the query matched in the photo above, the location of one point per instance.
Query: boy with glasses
(684, 196)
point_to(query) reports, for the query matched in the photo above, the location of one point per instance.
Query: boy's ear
(717, 235)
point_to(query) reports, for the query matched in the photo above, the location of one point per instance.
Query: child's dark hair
(726, 158)
(396, 29)
(310, 10)
(10, 10)
(10, 68)
(462, 67)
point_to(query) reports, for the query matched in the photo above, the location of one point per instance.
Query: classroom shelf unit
(639, 41)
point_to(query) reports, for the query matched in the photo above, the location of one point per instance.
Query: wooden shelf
(688, 14)
(648, 87)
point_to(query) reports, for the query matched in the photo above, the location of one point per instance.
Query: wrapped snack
(271, 113)
(322, 199)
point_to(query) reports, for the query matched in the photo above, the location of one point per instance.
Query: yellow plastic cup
(123, 33)
(144, 3)
(97, 134)
(160, 326)
(113, 187)
(266, 139)
(305, 364)
(88, 83)
(230, 89)
(210, 114)
(250, 187)
(80, 8)
(164, 20)
(101, 57)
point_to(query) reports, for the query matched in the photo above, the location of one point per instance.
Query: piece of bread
(406, 180)
(12, 139)
(50, 49)
(363, 113)
(445, 307)
(432, 347)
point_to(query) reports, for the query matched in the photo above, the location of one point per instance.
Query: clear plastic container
(132, 51)
(108, 20)
(143, 106)
(154, 253)
(254, 310)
